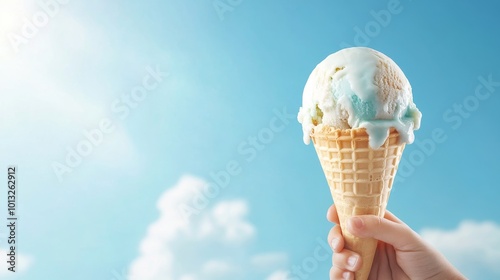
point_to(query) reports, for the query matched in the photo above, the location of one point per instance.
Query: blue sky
(177, 93)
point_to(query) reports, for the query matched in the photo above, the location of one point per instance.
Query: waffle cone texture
(360, 179)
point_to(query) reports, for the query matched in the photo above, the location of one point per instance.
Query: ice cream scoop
(360, 88)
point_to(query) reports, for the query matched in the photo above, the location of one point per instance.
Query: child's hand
(401, 253)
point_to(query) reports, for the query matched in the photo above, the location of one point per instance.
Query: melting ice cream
(360, 88)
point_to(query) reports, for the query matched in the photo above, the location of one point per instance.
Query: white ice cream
(359, 88)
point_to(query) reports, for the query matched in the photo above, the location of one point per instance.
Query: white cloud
(278, 275)
(229, 215)
(23, 264)
(211, 245)
(217, 268)
(473, 247)
(269, 261)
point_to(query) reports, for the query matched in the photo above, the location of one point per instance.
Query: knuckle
(338, 260)
(378, 224)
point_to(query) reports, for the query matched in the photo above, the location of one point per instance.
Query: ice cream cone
(360, 179)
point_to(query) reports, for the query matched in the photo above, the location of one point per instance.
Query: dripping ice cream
(360, 88)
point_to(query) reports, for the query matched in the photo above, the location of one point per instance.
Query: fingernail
(356, 222)
(346, 275)
(351, 261)
(335, 243)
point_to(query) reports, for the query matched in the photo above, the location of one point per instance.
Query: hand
(401, 253)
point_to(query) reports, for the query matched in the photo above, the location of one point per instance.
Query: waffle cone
(360, 180)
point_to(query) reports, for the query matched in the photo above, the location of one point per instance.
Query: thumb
(399, 235)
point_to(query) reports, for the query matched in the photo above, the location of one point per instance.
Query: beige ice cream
(359, 88)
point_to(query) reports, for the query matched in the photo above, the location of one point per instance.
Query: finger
(398, 235)
(332, 215)
(347, 260)
(337, 273)
(329, 213)
(335, 239)
(391, 217)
